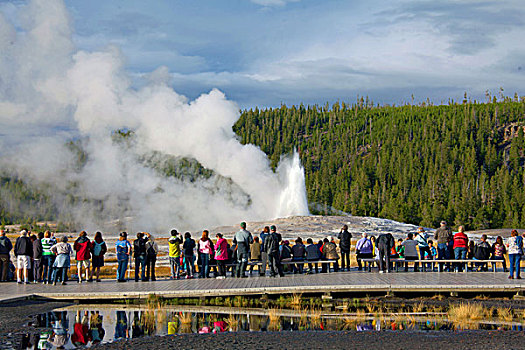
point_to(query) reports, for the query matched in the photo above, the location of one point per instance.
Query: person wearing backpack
(189, 257)
(271, 247)
(363, 250)
(139, 253)
(82, 246)
(152, 249)
(123, 250)
(174, 253)
(5, 248)
(515, 249)
(98, 249)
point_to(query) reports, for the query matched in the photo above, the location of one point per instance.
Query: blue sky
(267, 52)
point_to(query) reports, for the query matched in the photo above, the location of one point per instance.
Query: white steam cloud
(50, 93)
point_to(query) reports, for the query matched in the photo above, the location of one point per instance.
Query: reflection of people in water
(96, 332)
(60, 335)
(136, 327)
(219, 326)
(121, 326)
(80, 329)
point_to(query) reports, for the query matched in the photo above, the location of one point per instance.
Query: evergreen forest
(420, 164)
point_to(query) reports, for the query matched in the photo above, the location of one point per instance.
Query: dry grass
(233, 322)
(505, 314)
(466, 315)
(418, 307)
(273, 315)
(185, 318)
(296, 300)
(438, 297)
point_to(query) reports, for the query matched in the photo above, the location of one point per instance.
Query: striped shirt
(47, 243)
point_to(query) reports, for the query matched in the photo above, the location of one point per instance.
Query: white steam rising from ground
(50, 93)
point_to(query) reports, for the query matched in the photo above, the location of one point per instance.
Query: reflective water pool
(84, 326)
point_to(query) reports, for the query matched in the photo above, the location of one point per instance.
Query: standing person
(48, 257)
(152, 249)
(174, 253)
(23, 252)
(255, 255)
(482, 252)
(63, 252)
(422, 243)
(123, 250)
(400, 249)
(345, 244)
(37, 258)
(221, 255)
(98, 250)
(242, 241)
(363, 249)
(298, 254)
(460, 247)
(205, 251)
(189, 256)
(271, 247)
(139, 253)
(384, 243)
(515, 249)
(443, 235)
(264, 255)
(312, 254)
(410, 246)
(82, 247)
(499, 251)
(5, 249)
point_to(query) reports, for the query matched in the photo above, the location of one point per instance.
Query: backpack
(150, 250)
(97, 249)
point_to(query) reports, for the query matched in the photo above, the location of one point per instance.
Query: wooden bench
(400, 262)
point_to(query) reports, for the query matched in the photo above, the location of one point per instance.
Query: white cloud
(269, 3)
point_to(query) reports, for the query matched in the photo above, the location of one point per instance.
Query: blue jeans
(442, 254)
(47, 273)
(514, 262)
(140, 261)
(204, 270)
(188, 261)
(175, 266)
(460, 253)
(121, 269)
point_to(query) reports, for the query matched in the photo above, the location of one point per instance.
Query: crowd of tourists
(42, 258)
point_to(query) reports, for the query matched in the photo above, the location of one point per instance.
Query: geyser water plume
(50, 94)
(292, 199)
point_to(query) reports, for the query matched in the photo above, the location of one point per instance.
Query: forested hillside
(462, 162)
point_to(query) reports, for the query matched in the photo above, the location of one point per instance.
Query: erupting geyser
(50, 94)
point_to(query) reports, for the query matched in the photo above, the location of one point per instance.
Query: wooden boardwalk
(348, 282)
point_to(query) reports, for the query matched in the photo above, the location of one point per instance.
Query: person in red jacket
(82, 248)
(460, 246)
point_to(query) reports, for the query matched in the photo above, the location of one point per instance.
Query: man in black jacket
(5, 248)
(345, 245)
(139, 253)
(271, 246)
(23, 253)
(384, 242)
(482, 251)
